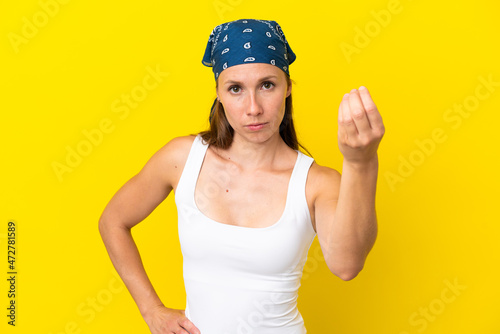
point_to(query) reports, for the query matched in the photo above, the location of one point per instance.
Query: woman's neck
(254, 155)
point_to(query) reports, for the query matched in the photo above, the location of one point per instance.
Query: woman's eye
(268, 85)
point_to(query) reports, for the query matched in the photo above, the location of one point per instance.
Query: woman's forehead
(250, 72)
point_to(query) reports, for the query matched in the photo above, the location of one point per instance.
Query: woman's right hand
(164, 320)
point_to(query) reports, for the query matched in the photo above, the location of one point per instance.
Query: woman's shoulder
(168, 162)
(320, 174)
(177, 149)
(173, 155)
(323, 180)
(181, 142)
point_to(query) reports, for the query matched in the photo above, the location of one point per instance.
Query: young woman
(249, 202)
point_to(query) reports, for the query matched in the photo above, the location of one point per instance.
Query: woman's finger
(346, 112)
(347, 121)
(358, 113)
(371, 109)
(188, 327)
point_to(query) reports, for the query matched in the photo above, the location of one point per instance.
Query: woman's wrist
(148, 310)
(363, 166)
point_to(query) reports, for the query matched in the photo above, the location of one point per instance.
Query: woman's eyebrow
(262, 79)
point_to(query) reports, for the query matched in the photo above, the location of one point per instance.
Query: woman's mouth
(255, 127)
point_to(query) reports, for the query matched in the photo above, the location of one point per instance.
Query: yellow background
(438, 220)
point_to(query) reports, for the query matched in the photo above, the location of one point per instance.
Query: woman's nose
(255, 106)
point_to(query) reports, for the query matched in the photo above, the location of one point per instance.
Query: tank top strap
(298, 185)
(199, 149)
(189, 176)
(300, 175)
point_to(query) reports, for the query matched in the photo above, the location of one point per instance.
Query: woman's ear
(289, 91)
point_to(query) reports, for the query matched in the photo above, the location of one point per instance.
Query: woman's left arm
(346, 218)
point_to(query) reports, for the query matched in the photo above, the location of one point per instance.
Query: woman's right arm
(131, 204)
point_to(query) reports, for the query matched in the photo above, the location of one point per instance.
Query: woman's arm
(131, 204)
(346, 220)
(127, 208)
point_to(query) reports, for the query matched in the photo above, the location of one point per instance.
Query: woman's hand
(164, 320)
(360, 127)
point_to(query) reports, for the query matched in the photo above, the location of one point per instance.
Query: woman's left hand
(360, 127)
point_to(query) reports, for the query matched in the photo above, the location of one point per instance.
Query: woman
(249, 203)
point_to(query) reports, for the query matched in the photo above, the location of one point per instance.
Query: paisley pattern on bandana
(250, 40)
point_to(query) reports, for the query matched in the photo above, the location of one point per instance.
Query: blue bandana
(245, 42)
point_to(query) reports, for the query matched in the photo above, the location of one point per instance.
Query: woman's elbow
(106, 223)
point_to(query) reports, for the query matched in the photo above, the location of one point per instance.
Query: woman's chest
(226, 195)
(250, 200)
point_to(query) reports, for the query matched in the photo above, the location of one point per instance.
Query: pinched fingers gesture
(360, 127)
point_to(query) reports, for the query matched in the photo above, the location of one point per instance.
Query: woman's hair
(221, 133)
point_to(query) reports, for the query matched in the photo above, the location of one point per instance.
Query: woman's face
(253, 94)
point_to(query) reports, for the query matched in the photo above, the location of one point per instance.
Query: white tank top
(243, 280)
